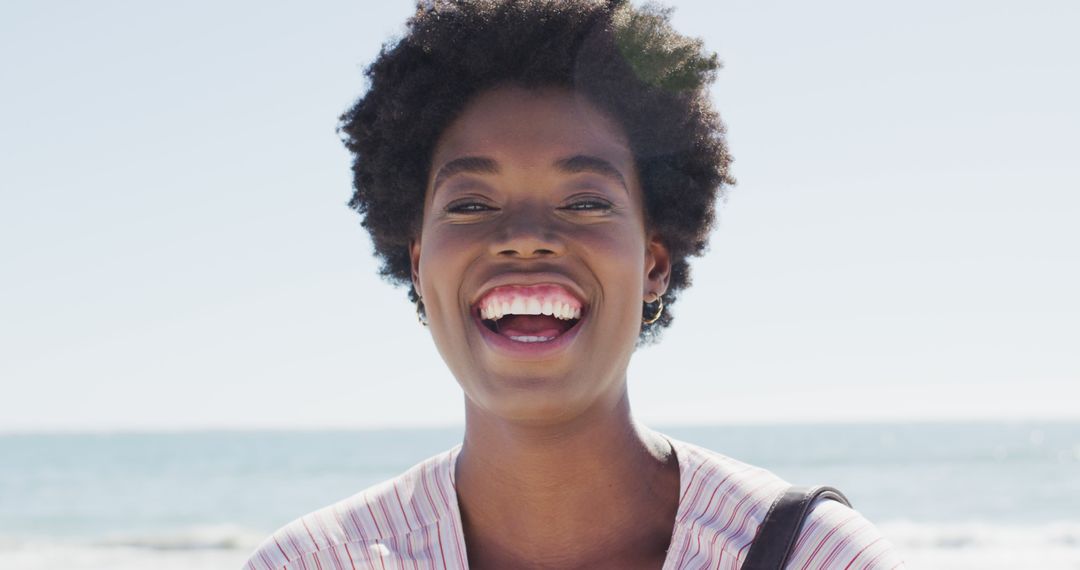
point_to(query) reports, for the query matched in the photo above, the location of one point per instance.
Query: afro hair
(626, 60)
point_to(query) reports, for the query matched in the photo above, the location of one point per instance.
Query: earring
(659, 310)
(421, 314)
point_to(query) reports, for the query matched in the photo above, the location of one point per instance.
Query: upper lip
(526, 278)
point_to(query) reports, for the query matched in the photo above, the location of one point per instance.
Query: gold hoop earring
(659, 310)
(421, 314)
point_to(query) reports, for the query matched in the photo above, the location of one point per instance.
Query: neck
(559, 495)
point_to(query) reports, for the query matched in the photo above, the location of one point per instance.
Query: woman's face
(533, 258)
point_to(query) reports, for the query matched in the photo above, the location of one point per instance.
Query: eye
(468, 207)
(588, 205)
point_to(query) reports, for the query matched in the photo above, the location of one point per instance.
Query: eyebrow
(576, 164)
(585, 163)
(465, 164)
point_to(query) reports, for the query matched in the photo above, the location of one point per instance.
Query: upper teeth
(494, 308)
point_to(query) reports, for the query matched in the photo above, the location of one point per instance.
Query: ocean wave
(985, 546)
(950, 536)
(927, 546)
(209, 537)
(200, 537)
(177, 551)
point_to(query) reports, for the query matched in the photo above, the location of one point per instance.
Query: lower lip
(527, 350)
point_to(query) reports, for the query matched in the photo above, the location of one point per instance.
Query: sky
(176, 250)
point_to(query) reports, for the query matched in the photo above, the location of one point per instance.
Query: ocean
(949, 496)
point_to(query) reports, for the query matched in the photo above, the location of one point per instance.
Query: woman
(538, 172)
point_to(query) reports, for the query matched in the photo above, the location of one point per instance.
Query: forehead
(533, 127)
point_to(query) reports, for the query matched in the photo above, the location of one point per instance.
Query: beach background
(192, 325)
(949, 495)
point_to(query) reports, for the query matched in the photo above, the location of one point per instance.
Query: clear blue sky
(177, 253)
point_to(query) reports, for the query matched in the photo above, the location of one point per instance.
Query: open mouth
(529, 314)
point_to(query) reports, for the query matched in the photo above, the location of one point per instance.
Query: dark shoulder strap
(777, 533)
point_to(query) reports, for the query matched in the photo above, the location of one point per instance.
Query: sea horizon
(960, 494)
(657, 425)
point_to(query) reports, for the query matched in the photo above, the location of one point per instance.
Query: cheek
(445, 255)
(618, 259)
(441, 247)
(622, 247)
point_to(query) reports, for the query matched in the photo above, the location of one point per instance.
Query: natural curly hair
(626, 60)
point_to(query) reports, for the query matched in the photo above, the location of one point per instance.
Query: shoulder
(837, 536)
(713, 483)
(368, 525)
(723, 501)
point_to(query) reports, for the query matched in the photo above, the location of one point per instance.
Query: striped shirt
(413, 522)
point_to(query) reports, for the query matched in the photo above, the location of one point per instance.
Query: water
(970, 495)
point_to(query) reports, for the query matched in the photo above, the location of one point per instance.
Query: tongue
(531, 325)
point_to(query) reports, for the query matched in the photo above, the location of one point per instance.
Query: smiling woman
(555, 217)
(537, 173)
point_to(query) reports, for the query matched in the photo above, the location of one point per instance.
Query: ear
(414, 262)
(657, 266)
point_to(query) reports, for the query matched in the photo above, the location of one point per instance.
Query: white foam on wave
(212, 547)
(74, 557)
(984, 546)
(207, 537)
(924, 546)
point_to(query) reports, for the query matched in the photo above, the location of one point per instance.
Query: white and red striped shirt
(413, 522)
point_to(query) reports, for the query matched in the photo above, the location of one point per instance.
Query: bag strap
(777, 533)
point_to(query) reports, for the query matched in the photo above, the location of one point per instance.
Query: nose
(526, 233)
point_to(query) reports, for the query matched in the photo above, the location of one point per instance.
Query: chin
(535, 399)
